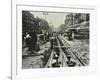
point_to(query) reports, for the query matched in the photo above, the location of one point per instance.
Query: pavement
(33, 60)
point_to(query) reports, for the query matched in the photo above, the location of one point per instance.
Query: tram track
(57, 51)
(74, 53)
(63, 50)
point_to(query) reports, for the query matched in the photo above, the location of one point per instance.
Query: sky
(55, 19)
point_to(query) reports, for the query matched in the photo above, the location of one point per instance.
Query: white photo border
(17, 71)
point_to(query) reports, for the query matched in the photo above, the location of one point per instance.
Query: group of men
(31, 40)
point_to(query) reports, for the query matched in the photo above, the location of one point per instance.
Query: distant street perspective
(55, 39)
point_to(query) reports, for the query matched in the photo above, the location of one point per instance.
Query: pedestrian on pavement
(33, 40)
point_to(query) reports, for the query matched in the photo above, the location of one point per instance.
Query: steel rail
(74, 53)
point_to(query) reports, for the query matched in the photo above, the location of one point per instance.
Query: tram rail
(63, 49)
(73, 52)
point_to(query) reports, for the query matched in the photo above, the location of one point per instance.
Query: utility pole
(45, 14)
